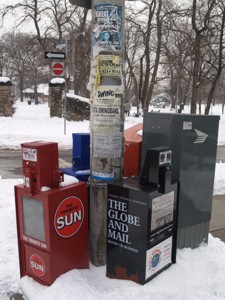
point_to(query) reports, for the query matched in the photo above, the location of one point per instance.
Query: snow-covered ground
(198, 274)
(32, 122)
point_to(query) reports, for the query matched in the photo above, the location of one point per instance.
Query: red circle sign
(37, 265)
(57, 68)
(69, 217)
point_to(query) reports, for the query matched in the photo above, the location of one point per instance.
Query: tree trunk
(200, 103)
(157, 59)
(76, 42)
(196, 69)
(21, 87)
(212, 91)
(35, 88)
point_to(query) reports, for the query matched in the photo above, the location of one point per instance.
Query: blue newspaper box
(81, 151)
(80, 157)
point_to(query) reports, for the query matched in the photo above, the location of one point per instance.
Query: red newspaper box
(132, 150)
(52, 229)
(40, 165)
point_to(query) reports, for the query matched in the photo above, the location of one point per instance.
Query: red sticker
(69, 217)
(37, 265)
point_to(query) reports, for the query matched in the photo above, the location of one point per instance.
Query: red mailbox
(52, 228)
(40, 165)
(132, 150)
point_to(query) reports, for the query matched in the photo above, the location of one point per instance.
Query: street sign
(59, 45)
(54, 55)
(82, 3)
(57, 69)
(85, 3)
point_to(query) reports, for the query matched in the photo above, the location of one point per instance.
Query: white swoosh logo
(201, 137)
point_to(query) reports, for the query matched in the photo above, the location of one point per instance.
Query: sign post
(58, 69)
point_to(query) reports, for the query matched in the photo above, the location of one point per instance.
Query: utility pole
(107, 113)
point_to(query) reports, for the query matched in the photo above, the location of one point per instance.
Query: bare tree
(201, 15)
(177, 57)
(26, 63)
(15, 54)
(55, 20)
(186, 54)
(148, 25)
(35, 61)
(49, 17)
(145, 59)
(133, 40)
(218, 53)
(31, 10)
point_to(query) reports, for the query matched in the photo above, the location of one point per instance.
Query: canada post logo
(69, 217)
(37, 265)
(201, 137)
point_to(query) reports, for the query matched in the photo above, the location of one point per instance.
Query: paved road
(11, 161)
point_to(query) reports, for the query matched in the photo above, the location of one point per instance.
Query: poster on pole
(107, 145)
(106, 34)
(106, 118)
(106, 95)
(104, 65)
(109, 66)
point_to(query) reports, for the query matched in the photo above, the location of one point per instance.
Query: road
(11, 161)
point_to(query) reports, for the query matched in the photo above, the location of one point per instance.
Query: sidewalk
(217, 223)
(217, 226)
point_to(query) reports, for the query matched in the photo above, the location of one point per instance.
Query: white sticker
(158, 257)
(29, 154)
(187, 125)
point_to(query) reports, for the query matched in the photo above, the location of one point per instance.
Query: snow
(41, 88)
(70, 95)
(68, 180)
(32, 123)
(57, 80)
(198, 274)
(28, 90)
(219, 183)
(45, 189)
(4, 79)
